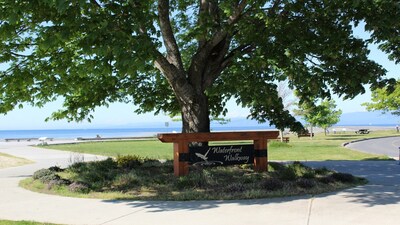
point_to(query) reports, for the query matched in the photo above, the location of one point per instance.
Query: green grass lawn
(145, 148)
(319, 149)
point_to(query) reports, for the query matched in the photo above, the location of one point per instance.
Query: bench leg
(180, 168)
(260, 161)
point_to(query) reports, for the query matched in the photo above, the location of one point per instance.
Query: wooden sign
(221, 155)
(182, 151)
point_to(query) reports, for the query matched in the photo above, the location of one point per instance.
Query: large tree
(385, 100)
(323, 115)
(187, 56)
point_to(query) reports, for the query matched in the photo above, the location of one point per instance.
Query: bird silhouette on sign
(203, 157)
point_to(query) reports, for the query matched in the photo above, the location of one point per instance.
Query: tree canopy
(189, 57)
(385, 100)
(323, 115)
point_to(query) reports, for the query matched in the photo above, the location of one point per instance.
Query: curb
(365, 139)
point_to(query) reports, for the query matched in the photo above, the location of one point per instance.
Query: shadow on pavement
(383, 176)
(165, 206)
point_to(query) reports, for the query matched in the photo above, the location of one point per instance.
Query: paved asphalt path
(375, 203)
(384, 146)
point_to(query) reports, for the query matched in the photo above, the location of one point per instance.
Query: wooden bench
(284, 139)
(305, 135)
(181, 146)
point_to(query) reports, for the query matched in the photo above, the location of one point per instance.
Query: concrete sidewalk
(375, 203)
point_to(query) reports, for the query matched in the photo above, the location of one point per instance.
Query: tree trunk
(195, 115)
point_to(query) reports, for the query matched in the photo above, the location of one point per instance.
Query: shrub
(305, 183)
(235, 187)
(77, 167)
(58, 182)
(125, 181)
(45, 175)
(193, 180)
(50, 177)
(274, 166)
(288, 174)
(326, 180)
(79, 187)
(272, 184)
(322, 171)
(103, 165)
(42, 173)
(343, 177)
(129, 161)
(149, 163)
(56, 169)
(309, 175)
(106, 164)
(299, 168)
(97, 173)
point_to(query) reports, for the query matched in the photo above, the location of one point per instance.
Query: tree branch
(208, 62)
(173, 54)
(238, 12)
(224, 62)
(175, 77)
(95, 3)
(18, 55)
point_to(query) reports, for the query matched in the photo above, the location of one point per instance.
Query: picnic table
(362, 131)
(305, 134)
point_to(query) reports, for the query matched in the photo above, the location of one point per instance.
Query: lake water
(141, 132)
(106, 133)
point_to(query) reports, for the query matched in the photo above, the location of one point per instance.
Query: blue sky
(122, 115)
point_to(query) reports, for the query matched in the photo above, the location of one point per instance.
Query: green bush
(309, 174)
(129, 161)
(97, 173)
(326, 180)
(79, 187)
(273, 184)
(193, 180)
(125, 181)
(305, 183)
(235, 187)
(58, 182)
(45, 175)
(288, 174)
(50, 177)
(343, 177)
(78, 167)
(107, 164)
(322, 171)
(275, 167)
(42, 173)
(151, 163)
(56, 169)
